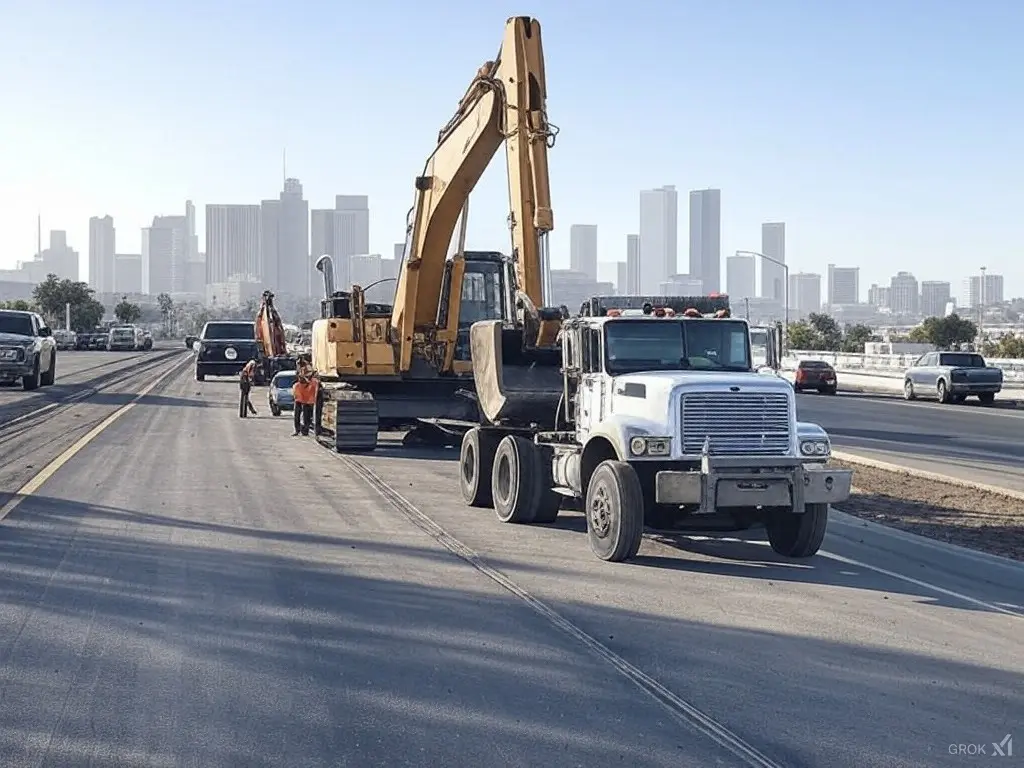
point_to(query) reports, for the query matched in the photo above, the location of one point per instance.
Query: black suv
(225, 346)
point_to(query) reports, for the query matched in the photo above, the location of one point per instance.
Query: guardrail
(890, 365)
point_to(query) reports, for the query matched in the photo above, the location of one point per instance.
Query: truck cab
(664, 421)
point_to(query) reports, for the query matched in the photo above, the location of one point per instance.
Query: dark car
(815, 374)
(225, 346)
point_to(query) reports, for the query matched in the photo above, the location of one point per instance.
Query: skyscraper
(741, 277)
(935, 294)
(583, 249)
(773, 276)
(632, 286)
(805, 292)
(284, 242)
(905, 299)
(706, 238)
(659, 237)
(101, 254)
(843, 285)
(233, 243)
(164, 255)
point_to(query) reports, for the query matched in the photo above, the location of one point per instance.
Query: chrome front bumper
(730, 482)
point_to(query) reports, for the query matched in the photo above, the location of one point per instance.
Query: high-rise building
(352, 225)
(399, 252)
(706, 238)
(583, 249)
(975, 295)
(741, 276)
(165, 255)
(632, 265)
(805, 292)
(905, 296)
(128, 273)
(101, 254)
(284, 242)
(195, 277)
(233, 234)
(773, 245)
(621, 277)
(659, 237)
(879, 296)
(843, 285)
(935, 294)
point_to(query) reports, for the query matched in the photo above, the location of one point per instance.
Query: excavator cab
(478, 283)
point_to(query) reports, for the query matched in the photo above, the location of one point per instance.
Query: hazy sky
(885, 133)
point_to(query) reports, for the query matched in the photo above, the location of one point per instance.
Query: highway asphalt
(968, 441)
(195, 589)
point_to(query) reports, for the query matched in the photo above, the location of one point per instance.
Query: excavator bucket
(515, 385)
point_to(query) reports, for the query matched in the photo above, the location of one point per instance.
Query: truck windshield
(632, 346)
(230, 331)
(17, 324)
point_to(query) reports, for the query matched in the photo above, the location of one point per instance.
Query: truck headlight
(815, 448)
(651, 446)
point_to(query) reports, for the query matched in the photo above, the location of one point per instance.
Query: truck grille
(736, 423)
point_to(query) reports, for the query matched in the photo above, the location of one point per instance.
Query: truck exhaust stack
(326, 265)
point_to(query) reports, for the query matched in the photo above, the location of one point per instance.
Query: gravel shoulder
(979, 520)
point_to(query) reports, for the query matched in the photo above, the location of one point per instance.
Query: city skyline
(319, 234)
(813, 157)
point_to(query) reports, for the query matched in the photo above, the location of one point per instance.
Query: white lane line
(996, 607)
(681, 709)
(51, 469)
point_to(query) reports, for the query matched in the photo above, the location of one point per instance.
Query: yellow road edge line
(51, 469)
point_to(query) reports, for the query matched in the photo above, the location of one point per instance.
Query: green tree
(855, 336)
(945, 332)
(830, 335)
(802, 336)
(1010, 346)
(19, 305)
(53, 294)
(166, 304)
(127, 312)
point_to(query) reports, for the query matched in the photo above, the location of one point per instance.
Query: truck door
(589, 400)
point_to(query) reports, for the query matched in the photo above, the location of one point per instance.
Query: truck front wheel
(476, 464)
(615, 511)
(514, 480)
(798, 535)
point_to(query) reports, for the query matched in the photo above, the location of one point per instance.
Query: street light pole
(981, 313)
(785, 270)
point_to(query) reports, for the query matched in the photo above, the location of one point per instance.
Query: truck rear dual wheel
(615, 511)
(476, 458)
(798, 535)
(518, 479)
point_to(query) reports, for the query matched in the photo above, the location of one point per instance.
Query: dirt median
(980, 520)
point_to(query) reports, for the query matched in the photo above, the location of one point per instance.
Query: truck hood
(665, 381)
(15, 339)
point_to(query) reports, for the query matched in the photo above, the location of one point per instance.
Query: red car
(815, 374)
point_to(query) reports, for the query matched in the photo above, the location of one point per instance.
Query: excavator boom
(505, 103)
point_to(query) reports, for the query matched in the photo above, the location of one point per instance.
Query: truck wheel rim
(600, 512)
(468, 462)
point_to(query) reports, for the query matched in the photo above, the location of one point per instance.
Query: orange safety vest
(304, 391)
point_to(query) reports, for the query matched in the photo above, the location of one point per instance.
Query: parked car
(27, 350)
(280, 396)
(952, 377)
(815, 374)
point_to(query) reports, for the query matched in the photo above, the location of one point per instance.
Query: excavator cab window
(484, 297)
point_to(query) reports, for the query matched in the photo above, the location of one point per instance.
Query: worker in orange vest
(304, 391)
(246, 380)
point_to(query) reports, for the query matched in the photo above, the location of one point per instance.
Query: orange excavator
(271, 338)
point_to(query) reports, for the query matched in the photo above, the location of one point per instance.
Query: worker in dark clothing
(304, 391)
(245, 383)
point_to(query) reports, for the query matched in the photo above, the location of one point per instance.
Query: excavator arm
(505, 103)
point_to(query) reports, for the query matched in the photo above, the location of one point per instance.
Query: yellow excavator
(408, 365)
